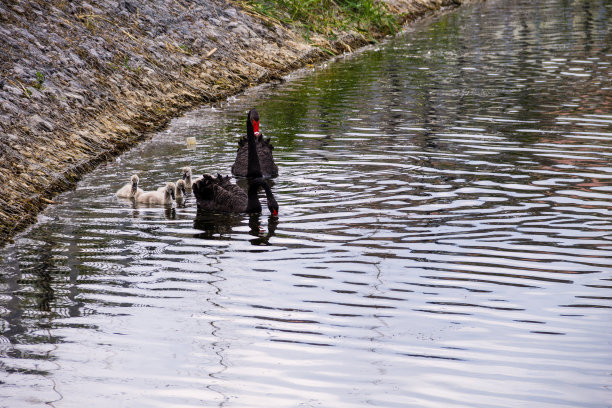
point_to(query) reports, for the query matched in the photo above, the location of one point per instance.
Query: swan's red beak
(256, 127)
(275, 213)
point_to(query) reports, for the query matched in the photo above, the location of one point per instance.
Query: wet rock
(13, 90)
(239, 29)
(94, 53)
(129, 7)
(56, 40)
(75, 58)
(231, 12)
(75, 97)
(5, 120)
(19, 71)
(10, 108)
(191, 61)
(34, 93)
(37, 122)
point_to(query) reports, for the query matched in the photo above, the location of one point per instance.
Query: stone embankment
(80, 82)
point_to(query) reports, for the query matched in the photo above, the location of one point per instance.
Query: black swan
(219, 194)
(269, 169)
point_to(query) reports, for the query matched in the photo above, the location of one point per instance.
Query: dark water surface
(444, 239)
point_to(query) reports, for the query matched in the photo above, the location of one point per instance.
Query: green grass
(328, 16)
(40, 78)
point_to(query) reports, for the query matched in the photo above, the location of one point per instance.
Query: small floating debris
(190, 141)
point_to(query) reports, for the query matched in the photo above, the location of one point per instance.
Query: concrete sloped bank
(81, 82)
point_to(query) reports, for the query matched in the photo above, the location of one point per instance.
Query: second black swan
(219, 194)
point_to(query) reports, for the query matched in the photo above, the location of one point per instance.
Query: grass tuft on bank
(327, 17)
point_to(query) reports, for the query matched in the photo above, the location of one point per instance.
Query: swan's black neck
(253, 204)
(253, 167)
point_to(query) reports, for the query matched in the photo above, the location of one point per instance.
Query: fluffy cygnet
(180, 189)
(130, 190)
(187, 177)
(165, 196)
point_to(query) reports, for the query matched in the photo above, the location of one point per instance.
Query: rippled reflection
(444, 238)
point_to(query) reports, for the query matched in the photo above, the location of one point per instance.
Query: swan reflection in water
(262, 238)
(222, 225)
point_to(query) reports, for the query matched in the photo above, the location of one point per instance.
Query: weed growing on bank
(328, 16)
